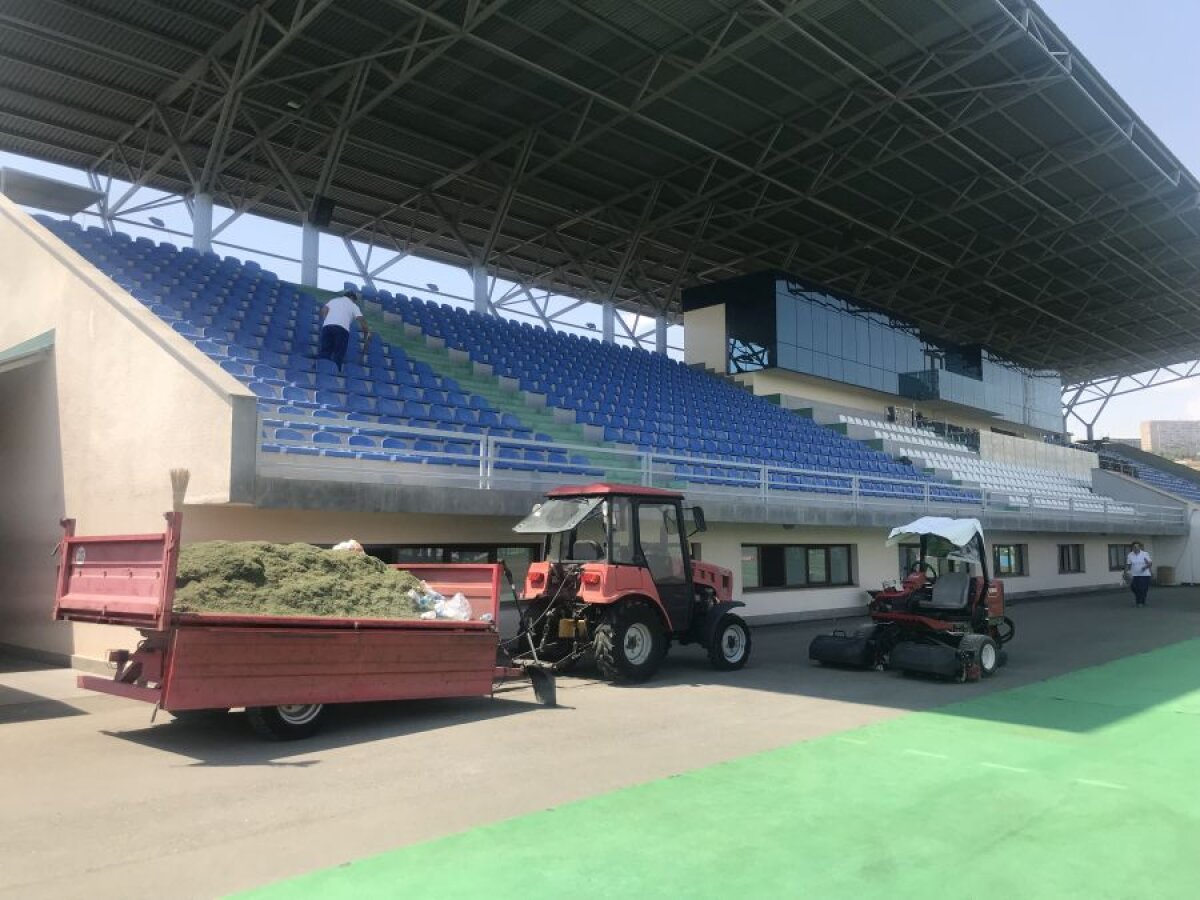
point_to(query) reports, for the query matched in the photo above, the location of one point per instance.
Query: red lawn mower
(941, 619)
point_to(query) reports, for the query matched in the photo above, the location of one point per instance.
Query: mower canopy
(957, 537)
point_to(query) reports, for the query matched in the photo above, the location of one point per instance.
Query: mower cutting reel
(947, 622)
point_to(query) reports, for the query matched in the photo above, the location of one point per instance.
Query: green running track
(1086, 785)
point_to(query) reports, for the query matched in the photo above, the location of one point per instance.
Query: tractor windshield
(557, 515)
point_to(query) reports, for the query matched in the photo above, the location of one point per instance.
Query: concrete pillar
(202, 222)
(479, 280)
(608, 321)
(310, 254)
(660, 335)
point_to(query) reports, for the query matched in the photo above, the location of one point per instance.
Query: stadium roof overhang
(956, 162)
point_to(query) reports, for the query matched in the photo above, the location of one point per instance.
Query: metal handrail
(741, 480)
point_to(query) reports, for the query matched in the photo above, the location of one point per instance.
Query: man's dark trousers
(1139, 584)
(334, 339)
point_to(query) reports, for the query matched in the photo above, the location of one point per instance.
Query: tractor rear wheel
(730, 645)
(629, 642)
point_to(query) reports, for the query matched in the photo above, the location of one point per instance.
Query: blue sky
(1147, 50)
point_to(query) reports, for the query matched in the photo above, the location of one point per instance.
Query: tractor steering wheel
(926, 568)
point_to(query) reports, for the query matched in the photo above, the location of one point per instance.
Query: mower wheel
(984, 650)
(730, 646)
(629, 642)
(290, 722)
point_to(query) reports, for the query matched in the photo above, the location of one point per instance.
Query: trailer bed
(190, 661)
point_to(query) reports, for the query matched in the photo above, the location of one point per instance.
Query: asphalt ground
(98, 801)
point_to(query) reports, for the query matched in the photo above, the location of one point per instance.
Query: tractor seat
(951, 591)
(588, 551)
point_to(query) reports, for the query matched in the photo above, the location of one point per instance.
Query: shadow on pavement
(1055, 636)
(225, 739)
(23, 706)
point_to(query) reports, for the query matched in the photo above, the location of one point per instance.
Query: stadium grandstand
(899, 241)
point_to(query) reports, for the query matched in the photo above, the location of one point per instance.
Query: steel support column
(202, 209)
(310, 254)
(660, 335)
(479, 282)
(608, 318)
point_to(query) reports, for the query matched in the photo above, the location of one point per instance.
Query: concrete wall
(704, 337)
(819, 390)
(874, 563)
(92, 432)
(1182, 553)
(1037, 454)
(33, 502)
(1132, 490)
(326, 527)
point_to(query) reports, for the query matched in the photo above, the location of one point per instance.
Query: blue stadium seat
(263, 332)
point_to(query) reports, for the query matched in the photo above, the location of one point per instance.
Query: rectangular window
(1010, 559)
(796, 565)
(1116, 556)
(1070, 558)
(749, 568)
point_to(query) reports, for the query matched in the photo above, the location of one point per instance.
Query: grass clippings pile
(260, 578)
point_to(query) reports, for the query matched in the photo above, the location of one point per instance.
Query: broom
(179, 485)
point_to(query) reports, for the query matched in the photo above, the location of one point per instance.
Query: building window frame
(1117, 556)
(1018, 560)
(773, 563)
(1071, 559)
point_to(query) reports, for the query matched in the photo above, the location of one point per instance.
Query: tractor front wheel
(629, 642)
(729, 648)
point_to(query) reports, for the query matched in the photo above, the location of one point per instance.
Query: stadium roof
(956, 162)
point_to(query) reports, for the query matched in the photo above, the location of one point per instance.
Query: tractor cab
(613, 554)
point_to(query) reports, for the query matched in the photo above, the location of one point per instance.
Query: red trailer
(283, 670)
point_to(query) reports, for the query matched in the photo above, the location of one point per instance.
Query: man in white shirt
(336, 318)
(1138, 564)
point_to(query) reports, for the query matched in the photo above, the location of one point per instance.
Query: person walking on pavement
(337, 316)
(1138, 564)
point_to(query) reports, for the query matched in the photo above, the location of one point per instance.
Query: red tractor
(618, 582)
(949, 623)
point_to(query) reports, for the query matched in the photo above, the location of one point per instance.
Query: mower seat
(951, 592)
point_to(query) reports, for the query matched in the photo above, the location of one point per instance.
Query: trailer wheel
(629, 642)
(730, 646)
(289, 722)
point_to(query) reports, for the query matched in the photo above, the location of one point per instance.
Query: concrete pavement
(98, 801)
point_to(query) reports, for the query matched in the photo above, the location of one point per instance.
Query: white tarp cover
(959, 532)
